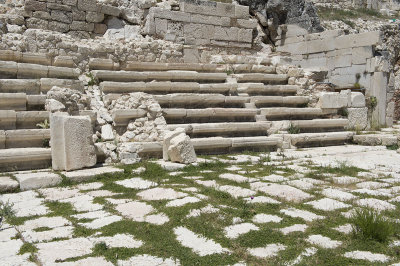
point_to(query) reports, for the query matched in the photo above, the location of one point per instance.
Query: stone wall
(393, 5)
(349, 60)
(203, 23)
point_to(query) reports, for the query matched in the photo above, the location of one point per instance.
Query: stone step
(127, 76)
(37, 86)
(108, 64)
(25, 138)
(322, 124)
(262, 89)
(13, 101)
(209, 115)
(318, 139)
(166, 87)
(263, 78)
(10, 119)
(263, 101)
(12, 69)
(35, 102)
(284, 113)
(24, 159)
(224, 129)
(200, 100)
(216, 145)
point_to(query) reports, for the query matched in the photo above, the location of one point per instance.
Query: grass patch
(41, 229)
(394, 147)
(342, 168)
(6, 212)
(27, 248)
(293, 129)
(371, 225)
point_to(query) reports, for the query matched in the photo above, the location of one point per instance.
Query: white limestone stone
(7, 184)
(91, 215)
(237, 192)
(107, 133)
(88, 261)
(282, 191)
(170, 166)
(136, 183)
(61, 250)
(71, 141)
(208, 183)
(345, 180)
(83, 203)
(102, 221)
(274, 178)
(193, 177)
(207, 209)
(100, 193)
(44, 236)
(327, 204)
(19, 197)
(139, 170)
(54, 194)
(118, 241)
(261, 199)
(90, 186)
(158, 219)
(10, 248)
(178, 148)
(308, 252)
(50, 222)
(323, 241)
(190, 189)
(234, 231)
(305, 215)
(300, 184)
(345, 229)
(87, 174)
(117, 201)
(160, 194)
(372, 192)
(135, 210)
(233, 168)
(366, 255)
(294, 228)
(371, 185)
(199, 244)
(25, 203)
(243, 158)
(270, 250)
(338, 194)
(18, 260)
(7, 233)
(30, 181)
(236, 178)
(376, 204)
(148, 261)
(266, 218)
(181, 202)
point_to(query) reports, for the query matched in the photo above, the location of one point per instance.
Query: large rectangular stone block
(226, 34)
(2, 139)
(71, 142)
(8, 119)
(318, 46)
(361, 54)
(87, 5)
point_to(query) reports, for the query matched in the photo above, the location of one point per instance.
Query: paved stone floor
(285, 208)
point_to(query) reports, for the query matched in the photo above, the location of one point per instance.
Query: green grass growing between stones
(369, 224)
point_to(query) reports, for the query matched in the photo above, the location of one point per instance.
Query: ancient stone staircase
(223, 107)
(24, 82)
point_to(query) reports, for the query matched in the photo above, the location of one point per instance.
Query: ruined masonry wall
(203, 23)
(348, 59)
(371, 4)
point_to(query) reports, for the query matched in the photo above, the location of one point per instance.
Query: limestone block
(199, 7)
(32, 71)
(358, 118)
(318, 46)
(58, 26)
(32, 5)
(245, 35)
(226, 34)
(357, 100)
(57, 6)
(107, 132)
(63, 72)
(181, 150)
(343, 80)
(342, 61)
(8, 55)
(2, 140)
(64, 61)
(167, 139)
(241, 12)
(161, 27)
(332, 100)
(110, 10)
(224, 9)
(70, 2)
(199, 31)
(8, 119)
(7, 184)
(378, 89)
(87, 5)
(61, 16)
(94, 17)
(30, 181)
(361, 54)
(81, 26)
(78, 15)
(13, 101)
(71, 141)
(246, 23)
(35, 23)
(100, 28)
(212, 20)
(35, 58)
(8, 69)
(47, 83)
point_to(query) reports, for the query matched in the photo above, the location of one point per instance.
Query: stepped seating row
(222, 112)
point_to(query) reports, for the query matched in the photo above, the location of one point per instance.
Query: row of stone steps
(221, 111)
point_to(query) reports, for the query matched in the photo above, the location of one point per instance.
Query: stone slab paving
(238, 211)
